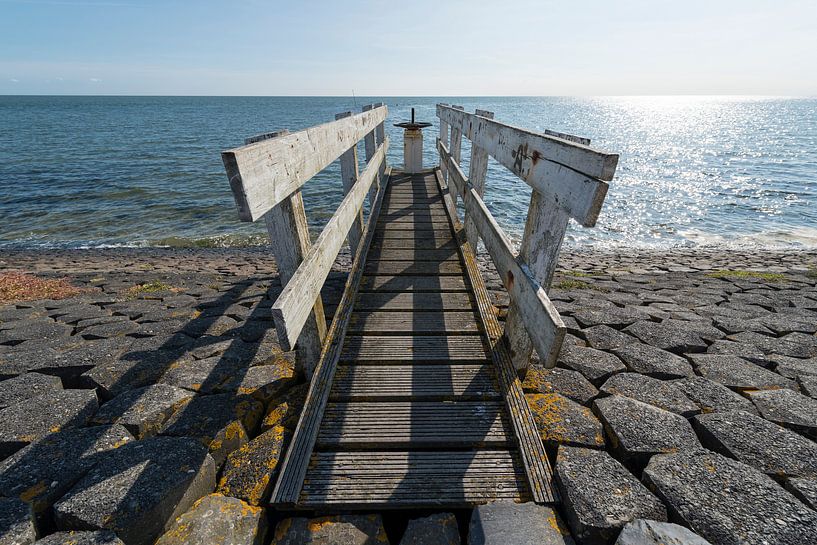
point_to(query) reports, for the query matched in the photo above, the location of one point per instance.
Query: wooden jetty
(415, 398)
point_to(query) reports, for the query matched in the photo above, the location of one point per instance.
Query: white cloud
(95, 80)
(14, 80)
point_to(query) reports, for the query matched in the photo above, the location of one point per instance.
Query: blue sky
(411, 47)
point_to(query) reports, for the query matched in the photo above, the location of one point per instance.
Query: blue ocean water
(146, 171)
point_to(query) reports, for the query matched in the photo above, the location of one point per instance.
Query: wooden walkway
(421, 410)
(415, 398)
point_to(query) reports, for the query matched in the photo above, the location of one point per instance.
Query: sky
(409, 47)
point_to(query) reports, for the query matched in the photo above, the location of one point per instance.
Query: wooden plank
(414, 301)
(414, 244)
(349, 174)
(291, 310)
(530, 445)
(478, 168)
(415, 322)
(411, 254)
(393, 268)
(264, 173)
(564, 172)
(417, 214)
(414, 479)
(396, 207)
(294, 466)
(544, 232)
(403, 348)
(289, 239)
(444, 138)
(540, 317)
(414, 383)
(570, 137)
(403, 234)
(396, 225)
(380, 137)
(414, 424)
(398, 284)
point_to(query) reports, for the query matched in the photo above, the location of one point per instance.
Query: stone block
(143, 411)
(80, 537)
(286, 410)
(501, 523)
(594, 364)
(654, 362)
(712, 396)
(437, 529)
(251, 471)
(26, 386)
(263, 382)
(564, 422)
(217, 519)
(677, 337)
(603, 337)
(794, 367)
(346, 529)
(566, 382)
(203, 376)
(652, 391)
(804, 489)
(651, 532)
(737, 373)
(133, 370)
(17, 526)
(788, 409)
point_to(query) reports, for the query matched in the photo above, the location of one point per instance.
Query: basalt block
(31, 419)
(711, 396)
(143, 411)
(728, 502)
(677, 337)
(217, 519)
(654, 362)
(203, 376)
(346, 529)
(650, 390)
(26, 386)
(222, 422)
(794, 367)
(133, 370)
(251, 471)
(263, 382)
(139, 489)
(651, 532)
(499, 523)
(594, 364)
(795, 345)
(286, 410)
(772, 449)
(737, 373)
(566, 382)
(564, 422)
(600, 496)
(17, 525)
(80, 537)
(603, 337)
(42, 472)
(637, 430)
(788, 409)
(437, 529)
(804, 489)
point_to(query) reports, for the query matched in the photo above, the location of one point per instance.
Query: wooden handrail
(540, 317)
(264, 173)
(293, 306)
(565, 172)
(568, 180)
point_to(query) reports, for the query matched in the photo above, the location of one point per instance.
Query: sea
(126, 171)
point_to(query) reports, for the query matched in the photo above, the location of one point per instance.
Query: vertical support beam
(544, 231)
(370, 147)
(380, 137)
(477, 169)
(456, 147)
(349, 175)
(446, 143)
(289, 239)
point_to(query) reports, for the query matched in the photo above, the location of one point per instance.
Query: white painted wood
(412, 151)
(477, 169)
(456, 147)
(264, 173)
(370, 146)
(564, 172)
(539, 316)
(291, 310)
(289, 239)
(444, 138)
(380, 137)
(544, 231)
(564, 136)
(349, 174)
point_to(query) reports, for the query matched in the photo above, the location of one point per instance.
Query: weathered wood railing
(266, 176)
(568, 180)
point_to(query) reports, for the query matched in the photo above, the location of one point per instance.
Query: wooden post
(544, 231)
(477, 169)
(456, 145)
(380, 137)
(446, 143)
(349, 175)
(289, 239)
(370, 147)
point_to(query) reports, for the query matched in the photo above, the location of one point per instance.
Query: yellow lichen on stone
(33, 491)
